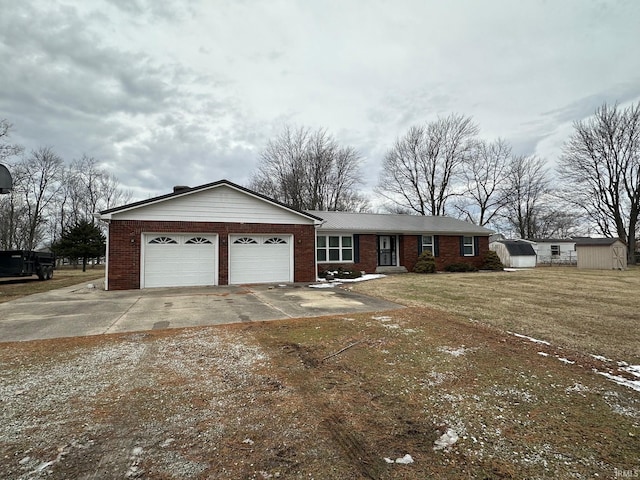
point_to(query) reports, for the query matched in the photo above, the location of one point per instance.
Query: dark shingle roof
(518, 248)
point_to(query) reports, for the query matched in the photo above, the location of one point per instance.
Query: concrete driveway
(79, 310)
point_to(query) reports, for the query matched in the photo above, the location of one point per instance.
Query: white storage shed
(515, 253)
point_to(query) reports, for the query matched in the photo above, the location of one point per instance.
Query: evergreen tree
(84, 240)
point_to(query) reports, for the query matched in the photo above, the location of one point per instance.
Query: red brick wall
(449, 252)
(125, 249)
(368, 257)
(409, 252)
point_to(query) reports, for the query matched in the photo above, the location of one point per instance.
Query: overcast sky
(189, 92)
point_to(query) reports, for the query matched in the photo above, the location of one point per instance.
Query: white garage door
(260, 258)
(172, 260)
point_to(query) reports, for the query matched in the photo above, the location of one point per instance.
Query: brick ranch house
(221, 234)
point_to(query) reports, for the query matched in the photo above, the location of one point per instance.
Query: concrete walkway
(79, 310)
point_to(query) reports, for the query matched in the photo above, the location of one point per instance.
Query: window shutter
(462, 246)
(356, 249)
(476, 245)
(436, 245)
(419, 244)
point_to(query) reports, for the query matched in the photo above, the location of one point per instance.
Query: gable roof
(597, 241)
(518, 248)
(184, 191)
(395, 223)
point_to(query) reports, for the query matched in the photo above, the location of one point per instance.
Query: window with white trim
(334, 248)
(555, 250)
(467, 246)
(427, 244)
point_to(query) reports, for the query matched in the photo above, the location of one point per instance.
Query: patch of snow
(167, 442)
(134, 470)
(531, 339)
(363, 278)
(407, 459)
(383, 318)
(456, 352)
(634, 384)
(567, 361)
(445, 441)
(601, 358)
(325, 285)
(248, 441)
(633, 370)
(543, 354)
(576, 388)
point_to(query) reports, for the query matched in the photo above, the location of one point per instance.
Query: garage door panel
(168, 264)
(260, 259)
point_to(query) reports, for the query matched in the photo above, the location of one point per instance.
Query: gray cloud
(190, 92)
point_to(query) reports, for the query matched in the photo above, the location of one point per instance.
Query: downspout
(97, 216)
(315, 247)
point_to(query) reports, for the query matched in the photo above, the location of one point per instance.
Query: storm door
(386, 250)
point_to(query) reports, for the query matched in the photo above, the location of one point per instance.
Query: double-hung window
(555, 250)
(427, 244)
(334, 248)
(467, 246)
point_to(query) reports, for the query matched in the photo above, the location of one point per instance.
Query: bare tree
(484, 175)
(11, 209)
(13, 221)
(600, 166)
(38, 184)
(419, 171)
(85, 188)
(560, 221)
(7, 150)
(527, 187)
(308, 170)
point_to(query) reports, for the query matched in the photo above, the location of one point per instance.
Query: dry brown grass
(592, 311)
(257, 401)
(285, 399)
(11, 289)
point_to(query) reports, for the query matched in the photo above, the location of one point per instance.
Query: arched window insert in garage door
(261, 240)
(276, 241)
(162, 240)
(198, 241)
(245, 241)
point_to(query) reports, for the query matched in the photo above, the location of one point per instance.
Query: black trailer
(25, 263)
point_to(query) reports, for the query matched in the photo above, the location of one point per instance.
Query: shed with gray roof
(515, 253)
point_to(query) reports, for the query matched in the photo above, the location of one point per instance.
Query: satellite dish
(6, 182)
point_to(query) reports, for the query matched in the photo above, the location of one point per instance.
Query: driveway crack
(123, 315)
